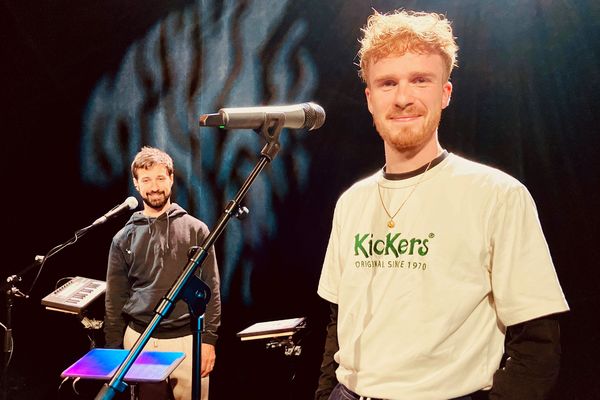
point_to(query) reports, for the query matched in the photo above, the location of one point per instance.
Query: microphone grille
(314, 116)
(131, 202)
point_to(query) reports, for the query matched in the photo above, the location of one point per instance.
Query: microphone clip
(277, 120)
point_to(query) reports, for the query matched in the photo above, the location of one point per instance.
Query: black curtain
(525, 99)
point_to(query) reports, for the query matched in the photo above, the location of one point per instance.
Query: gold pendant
(391, 224)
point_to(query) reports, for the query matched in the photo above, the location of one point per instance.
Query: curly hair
(406, 31)
(150, 156)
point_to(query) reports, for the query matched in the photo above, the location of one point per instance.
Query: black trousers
(341, 392)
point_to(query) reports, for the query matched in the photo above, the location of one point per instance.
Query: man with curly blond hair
(434, 262)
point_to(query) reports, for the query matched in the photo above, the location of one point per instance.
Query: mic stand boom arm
(12, 291)
(198, 293)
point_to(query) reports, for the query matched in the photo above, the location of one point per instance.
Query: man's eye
(420, 80)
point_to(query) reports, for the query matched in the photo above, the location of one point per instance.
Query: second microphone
(298, 116)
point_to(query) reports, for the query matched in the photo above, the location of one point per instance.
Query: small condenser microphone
(298, 116)
(130, 203)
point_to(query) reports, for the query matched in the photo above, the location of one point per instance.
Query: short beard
(402, 140)
(408, 139)
(157, 206)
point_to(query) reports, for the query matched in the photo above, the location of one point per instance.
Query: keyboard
(75, 295)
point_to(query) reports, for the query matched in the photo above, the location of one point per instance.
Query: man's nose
(403, 96)
(154, 185)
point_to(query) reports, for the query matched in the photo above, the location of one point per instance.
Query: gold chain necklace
(391, 222)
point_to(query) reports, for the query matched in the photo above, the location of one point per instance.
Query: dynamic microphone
(129, 204)
(297, 116)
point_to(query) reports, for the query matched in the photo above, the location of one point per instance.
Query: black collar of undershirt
(420, 170)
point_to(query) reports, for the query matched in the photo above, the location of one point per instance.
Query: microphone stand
(195, 292)
(12, 291)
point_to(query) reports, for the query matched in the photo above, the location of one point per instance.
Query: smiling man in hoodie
(146, 257)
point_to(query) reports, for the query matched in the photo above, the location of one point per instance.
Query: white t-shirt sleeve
(524, 282)
(332, 268)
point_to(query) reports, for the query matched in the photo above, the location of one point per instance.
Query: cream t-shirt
(423, 306)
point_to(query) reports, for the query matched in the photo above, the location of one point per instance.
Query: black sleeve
(327, 379)
(209, 274)
(533, 361)
(116, 296)
(212, 315)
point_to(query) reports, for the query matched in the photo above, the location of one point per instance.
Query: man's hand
(208, 359)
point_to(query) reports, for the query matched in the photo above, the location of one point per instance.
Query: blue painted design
(194, 62)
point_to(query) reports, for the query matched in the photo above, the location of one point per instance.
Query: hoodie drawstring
(168, 229)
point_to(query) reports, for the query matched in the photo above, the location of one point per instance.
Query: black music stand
(284, 333)
(280, 333)
(101, 364)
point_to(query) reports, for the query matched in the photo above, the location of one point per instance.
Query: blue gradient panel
(150, 366)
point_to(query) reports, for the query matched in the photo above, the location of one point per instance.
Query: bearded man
(146, 257)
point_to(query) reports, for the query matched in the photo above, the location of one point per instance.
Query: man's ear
(446, 94)
(368, 96)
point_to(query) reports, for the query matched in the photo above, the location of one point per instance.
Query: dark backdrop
(526, 98)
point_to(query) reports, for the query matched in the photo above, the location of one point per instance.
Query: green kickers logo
(366, 245)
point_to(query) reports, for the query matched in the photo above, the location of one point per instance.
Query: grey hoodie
(146, 257)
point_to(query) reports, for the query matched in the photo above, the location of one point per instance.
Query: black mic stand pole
(12, 291)
(197, 296)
